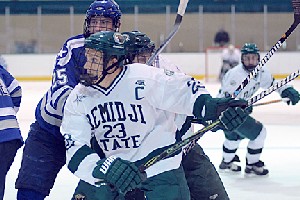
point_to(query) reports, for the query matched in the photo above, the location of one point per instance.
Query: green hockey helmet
(109, 42)
(100, 48)
(138, 47)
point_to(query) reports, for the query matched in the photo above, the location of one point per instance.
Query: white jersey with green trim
(235, 76)
(181, 120)
(164, 63)
(130, 119)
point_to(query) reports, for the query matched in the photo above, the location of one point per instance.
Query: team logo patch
(3, 89)
(68, 141)
(140, 82)
(119, 38)
(79, 197)
(79, 98)
(232, 82)
(168, 72)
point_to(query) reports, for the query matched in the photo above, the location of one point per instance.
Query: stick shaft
(268, 102)
(181, 10)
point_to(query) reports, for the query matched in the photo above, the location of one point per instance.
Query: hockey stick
(180, 13)
(191, 141)
(270, 102)
(296, 7)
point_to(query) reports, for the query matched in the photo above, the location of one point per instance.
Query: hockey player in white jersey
(252, 129)
(44, 151)
(131, 112)
(230, 58)
(202, 177)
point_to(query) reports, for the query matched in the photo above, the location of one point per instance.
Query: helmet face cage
(99, 10)
(139, 47)
(100, 49)
(93, 68)
(250, 56)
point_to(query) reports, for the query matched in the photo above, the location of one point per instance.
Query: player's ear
(113, 60)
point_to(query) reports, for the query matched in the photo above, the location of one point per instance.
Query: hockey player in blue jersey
(10, 135)
(44, 151)
(132, 113)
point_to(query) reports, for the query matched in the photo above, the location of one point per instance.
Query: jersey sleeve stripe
(77, 158)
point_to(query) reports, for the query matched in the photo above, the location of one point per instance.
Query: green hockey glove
(292, 94)
(122, 174)
(249, 109)
(213, 107)
(232, 118)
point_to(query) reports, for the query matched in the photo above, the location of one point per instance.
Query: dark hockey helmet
(105, 8)
(138, 46)
(100, 48)
(249, 48)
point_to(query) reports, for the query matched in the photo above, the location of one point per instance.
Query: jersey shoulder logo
(79, 98)
(3, 89)
(232, 82)
(62, 53)
(140, 86)
(68, 141)
(169, 72)
(140, 82)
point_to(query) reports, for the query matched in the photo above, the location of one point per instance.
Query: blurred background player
(10, 135)
(221, 38)
(230, 58)
(44, 153)
(252, 129)
(202, 178)
(105, 80)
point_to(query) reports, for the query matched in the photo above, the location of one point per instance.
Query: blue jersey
(10, 100)
(49, 110)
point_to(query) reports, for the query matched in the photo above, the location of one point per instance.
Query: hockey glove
(249, 109)
(292, 94)
(232, 118)
(122, 174)
(210, 108)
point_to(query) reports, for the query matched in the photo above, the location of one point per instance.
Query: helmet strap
(107, 69)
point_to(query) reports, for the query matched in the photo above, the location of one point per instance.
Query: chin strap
(105, 71)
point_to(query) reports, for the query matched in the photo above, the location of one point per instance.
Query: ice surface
(281, 153)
